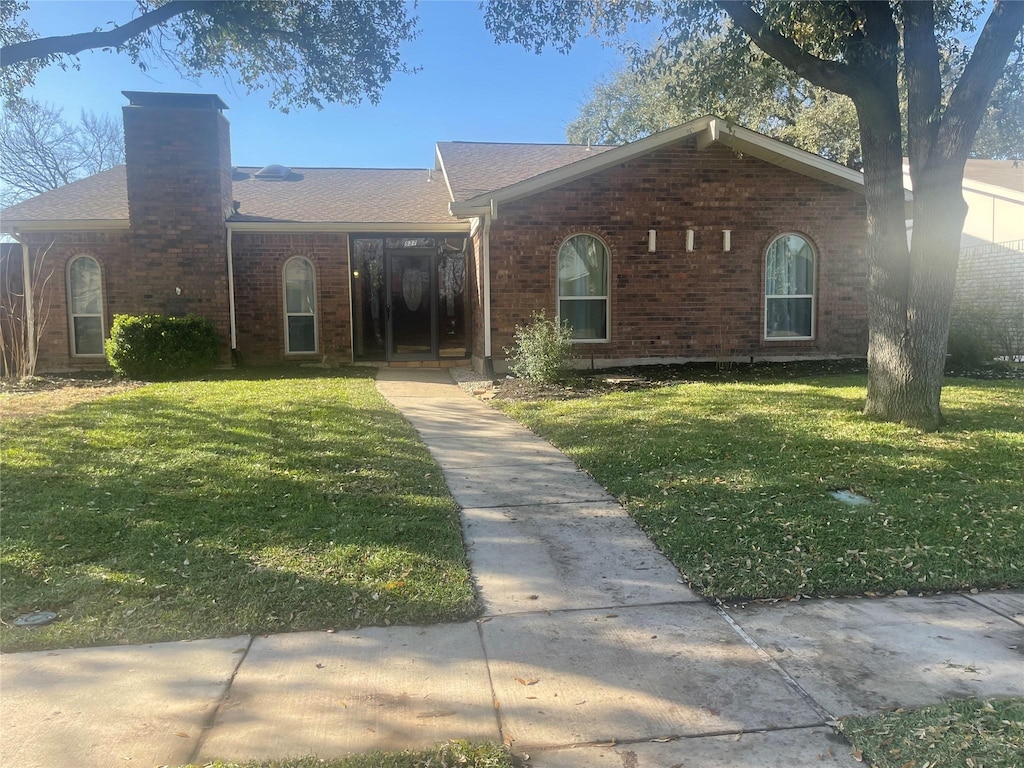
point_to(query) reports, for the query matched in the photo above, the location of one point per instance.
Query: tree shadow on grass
(733, 481)
(203, 509)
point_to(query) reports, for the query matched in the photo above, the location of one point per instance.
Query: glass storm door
(411, 319)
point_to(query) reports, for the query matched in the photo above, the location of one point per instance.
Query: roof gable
(474, 168)
(705, 130)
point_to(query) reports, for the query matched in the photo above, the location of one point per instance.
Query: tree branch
(966, 105)
(924, 83)
(828, 74)
(42, 47)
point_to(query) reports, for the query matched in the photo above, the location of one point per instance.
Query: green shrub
(542, 350)
(157, 347)
(968, 345)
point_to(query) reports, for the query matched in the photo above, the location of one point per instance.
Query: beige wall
(994, 215)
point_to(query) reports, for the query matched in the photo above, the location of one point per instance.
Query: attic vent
(273, 173)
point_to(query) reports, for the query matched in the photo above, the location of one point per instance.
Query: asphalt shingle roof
(370, 195)
(998, 173)
(474, 168)
(102, 197)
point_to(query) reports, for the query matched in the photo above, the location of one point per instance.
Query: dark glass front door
(412, 332)
(409, 297)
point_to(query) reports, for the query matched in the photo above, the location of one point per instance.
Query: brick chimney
(178, 162)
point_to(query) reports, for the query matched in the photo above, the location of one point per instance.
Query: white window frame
(73, 316)
(284, 305)
(606, 298)
(813, 295)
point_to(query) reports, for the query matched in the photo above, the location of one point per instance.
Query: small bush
(542, 350)
(968, 346)
(155, 347)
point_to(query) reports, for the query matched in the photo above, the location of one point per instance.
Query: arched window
(299, 305)
(789, 289)
(85, 306)
(583, 287)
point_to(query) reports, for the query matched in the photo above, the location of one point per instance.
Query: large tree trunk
(909, 317)
(909, 289)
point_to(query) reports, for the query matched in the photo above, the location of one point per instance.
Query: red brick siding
(677, 304)
(179, 192)
(111, 250)
(259, 294)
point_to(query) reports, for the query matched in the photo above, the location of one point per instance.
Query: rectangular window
(88, 335)
(301, 333)
(588, 317)
(789, 317)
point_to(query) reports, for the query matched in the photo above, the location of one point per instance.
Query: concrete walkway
(591, 650)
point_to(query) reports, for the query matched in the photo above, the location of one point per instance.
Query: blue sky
(469, 89)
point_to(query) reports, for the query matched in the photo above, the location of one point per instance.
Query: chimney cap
(174, 100)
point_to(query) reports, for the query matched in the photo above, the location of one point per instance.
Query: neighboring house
(703, 242)
(990, 274)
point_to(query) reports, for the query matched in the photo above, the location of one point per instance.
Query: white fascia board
(707, 130)
(12, 226)
(974, 186)
(785, 156)
(993, 191)
(444, 171)
(458, 227)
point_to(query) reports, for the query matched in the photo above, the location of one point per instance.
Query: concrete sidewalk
(591, 650)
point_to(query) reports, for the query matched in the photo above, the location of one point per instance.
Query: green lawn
(965, 734)
(732, 479)
(250, 504)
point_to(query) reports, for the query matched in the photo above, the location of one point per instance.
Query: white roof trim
(444, 172)
(63, 225)
(707, 130)
(994, 191)
(456, 227)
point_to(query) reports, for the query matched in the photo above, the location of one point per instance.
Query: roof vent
(274, 173)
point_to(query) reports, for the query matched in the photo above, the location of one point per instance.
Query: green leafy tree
(667, 90)
(859, 49)
(306, 51)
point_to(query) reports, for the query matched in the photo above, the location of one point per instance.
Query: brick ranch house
(702, 242)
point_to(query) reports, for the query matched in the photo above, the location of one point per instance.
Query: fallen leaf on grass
(527, 681)
(858, 755)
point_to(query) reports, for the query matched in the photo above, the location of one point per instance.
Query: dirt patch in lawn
(588, 383)
(44, 395)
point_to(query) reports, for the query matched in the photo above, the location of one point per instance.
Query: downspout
(231, 300)
(486, 257)
(30, 308)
